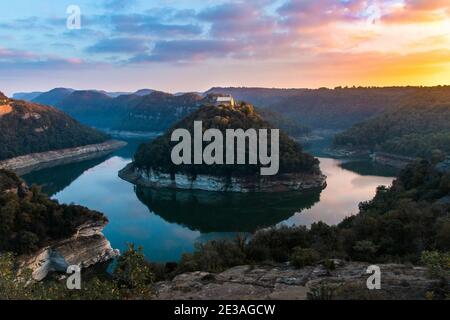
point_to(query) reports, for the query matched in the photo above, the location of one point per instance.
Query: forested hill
(29, 128)
(416, 131)
(337, 108)
(156, 154)
(158, 111)
(143, 110)
(30, 220)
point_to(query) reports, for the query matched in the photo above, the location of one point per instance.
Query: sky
(180, 45)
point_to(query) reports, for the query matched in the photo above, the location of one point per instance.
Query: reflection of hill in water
(56, 179)
(369, 168)
(131, 147)
(224, 212)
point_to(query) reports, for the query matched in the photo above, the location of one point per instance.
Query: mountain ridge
(29, 128)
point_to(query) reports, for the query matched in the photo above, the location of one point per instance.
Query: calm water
(167, 222)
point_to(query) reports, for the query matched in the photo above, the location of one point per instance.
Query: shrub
(304, 257)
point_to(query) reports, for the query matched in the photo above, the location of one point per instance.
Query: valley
(168, 223)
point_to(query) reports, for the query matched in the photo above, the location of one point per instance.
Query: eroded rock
(87, 247)
(348, 281)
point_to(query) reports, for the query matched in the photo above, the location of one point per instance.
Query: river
(168, 223)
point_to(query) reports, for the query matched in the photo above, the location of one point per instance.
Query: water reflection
(225, 212)
(369, 168)
(56, 179)
(345, 190)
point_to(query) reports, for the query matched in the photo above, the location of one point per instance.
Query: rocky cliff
(48, 236)
(278, 183)
(347, 281)
(37, 161)
(86, 247)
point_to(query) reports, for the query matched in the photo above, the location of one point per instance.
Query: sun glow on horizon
(291, 43)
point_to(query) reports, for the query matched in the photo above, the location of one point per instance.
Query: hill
(92, 108)
(30, 220)
(143, 110)
(28, 96)
(421, 130)
(157, 111)
(29, 128)
(156, 155)
(53, 97)
(337, 108)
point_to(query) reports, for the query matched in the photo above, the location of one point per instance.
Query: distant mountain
(143, 92)
(143, 110)
(92, 108)
(158, 111)
(110, 94)
(29, 128)
(53, 97)
(27, 96)
(337, 108)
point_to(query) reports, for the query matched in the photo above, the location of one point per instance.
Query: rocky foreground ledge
(37, 161)
(278, 183)
(347, 281)
(86, 247)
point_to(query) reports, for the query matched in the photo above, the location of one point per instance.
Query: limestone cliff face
(278, 183)
(86, 247)
(37, 161)
(283, 282)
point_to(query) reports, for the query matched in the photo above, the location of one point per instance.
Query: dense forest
(30, 220)
(418, 131)
(157, 154)
(337, 108)
(29, 128)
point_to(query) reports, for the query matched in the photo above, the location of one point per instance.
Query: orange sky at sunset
(178, 47)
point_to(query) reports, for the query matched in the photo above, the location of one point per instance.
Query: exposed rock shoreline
(278, 183)
(37, 161)
(86, 247)
(283, 282)
(392, 160)
(383, 158)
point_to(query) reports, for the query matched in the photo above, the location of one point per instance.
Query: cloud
(119, 45)
(311, 39)
(238, 20)
(418, 11)
(118, 4)
(16, 60)
(188, 50)
(148, 24)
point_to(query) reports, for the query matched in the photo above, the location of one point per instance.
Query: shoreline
(280, 183)
(384, 158)
(37, 161)
(86, 247)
